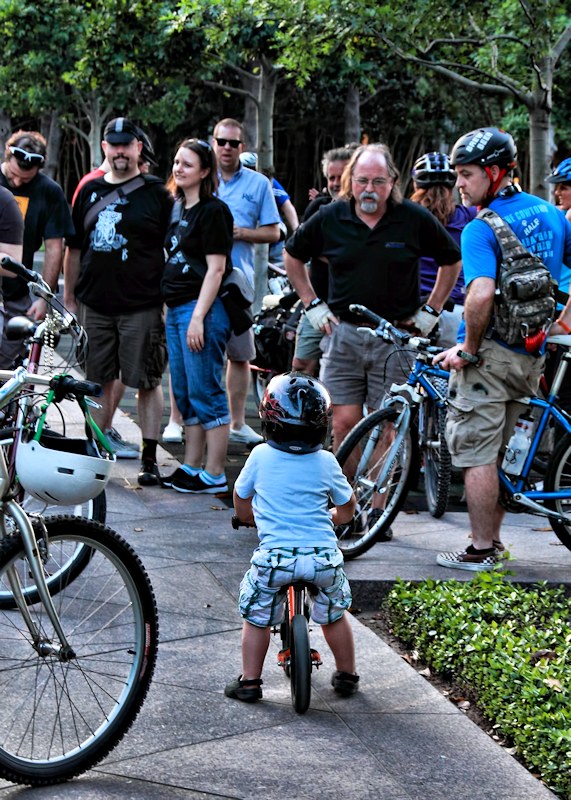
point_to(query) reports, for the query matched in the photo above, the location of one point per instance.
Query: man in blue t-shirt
(489, 376)
(250, 198)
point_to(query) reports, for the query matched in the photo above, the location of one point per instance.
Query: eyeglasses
(377, 182)
(234, 143)
(201, 142)
(25, 159)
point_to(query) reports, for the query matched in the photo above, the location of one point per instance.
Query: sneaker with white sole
(245, 435)
(470, 559)
(181, 481)
(121, 447)
(173, 432)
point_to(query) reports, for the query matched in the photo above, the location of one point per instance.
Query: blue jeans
(197, 377)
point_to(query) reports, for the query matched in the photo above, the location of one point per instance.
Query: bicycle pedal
(283, 658)
(315, 658)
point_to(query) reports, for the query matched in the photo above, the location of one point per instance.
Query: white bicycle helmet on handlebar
(62, 471)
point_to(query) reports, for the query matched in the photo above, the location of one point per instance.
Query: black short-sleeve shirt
(205, 229)
(122, 256)
(377, 267)
(11, 220)
(46, 216)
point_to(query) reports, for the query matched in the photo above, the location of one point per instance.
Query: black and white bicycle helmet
(433, 169)
(63, 471)
(561, 173)
(295, 412)
(485, 147)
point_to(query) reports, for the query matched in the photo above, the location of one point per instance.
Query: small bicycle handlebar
(237, 523)
(384, 326)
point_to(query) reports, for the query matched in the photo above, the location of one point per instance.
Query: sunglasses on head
(232, 142)
(201, 142)
(25, 159)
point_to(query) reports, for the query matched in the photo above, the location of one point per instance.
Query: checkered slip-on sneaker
(470, 559)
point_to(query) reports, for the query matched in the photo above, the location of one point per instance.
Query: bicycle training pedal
(284, 657)
(315, 658)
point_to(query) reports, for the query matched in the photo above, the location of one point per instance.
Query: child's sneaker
(246, 691)
(344, 683)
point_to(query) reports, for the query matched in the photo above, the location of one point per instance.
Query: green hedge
(511, 646)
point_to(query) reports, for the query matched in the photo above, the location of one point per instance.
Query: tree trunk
(352, 115)
(51, 128)
(541, 145)
(5, 131)
(268, 84)
(251, 83)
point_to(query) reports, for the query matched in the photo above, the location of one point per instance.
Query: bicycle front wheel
(378, 468)
(557, 479)
(437, 461)
(56, 573)
(300, 663)
(61, 715)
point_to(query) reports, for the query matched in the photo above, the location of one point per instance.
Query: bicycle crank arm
(539, 509)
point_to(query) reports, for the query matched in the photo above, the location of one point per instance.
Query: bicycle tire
(260, 379)
(59, 718)
(285, 636)
(300, 663)
(61, 574)
(437, 460)
(356, 537)
(558, 477)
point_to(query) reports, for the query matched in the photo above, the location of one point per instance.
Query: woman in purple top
(434, 180)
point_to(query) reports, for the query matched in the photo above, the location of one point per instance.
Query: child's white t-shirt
(291, 496)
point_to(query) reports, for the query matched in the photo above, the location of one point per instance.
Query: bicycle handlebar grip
(69, 385)
(363, 311)
(20, 270)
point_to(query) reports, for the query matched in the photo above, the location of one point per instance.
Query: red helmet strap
(495, 185)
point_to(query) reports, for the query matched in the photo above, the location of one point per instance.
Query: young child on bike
(284, 489)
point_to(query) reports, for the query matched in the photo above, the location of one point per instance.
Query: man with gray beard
(371, 239)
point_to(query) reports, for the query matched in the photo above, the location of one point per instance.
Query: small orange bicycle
(296, 657)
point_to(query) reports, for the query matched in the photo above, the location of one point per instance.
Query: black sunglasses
(232, 142)
(25, 159)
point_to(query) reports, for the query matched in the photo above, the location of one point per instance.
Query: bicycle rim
(364, 458)
(437, 461)
(300, 664)
(558, 478)
(57, 573)
(58, 718)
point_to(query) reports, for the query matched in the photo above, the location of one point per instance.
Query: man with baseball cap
(113, 269)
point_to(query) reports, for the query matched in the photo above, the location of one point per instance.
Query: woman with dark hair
(434, 180)
(198, 245)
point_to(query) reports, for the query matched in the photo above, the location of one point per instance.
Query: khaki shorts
(483, 406)
(307, 341)
(359, 368)
(127, 346)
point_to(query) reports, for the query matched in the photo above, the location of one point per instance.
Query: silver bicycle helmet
(62, 471)
(433, 169)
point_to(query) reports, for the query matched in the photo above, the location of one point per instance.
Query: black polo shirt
(377, 267)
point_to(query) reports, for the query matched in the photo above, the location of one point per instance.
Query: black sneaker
(194, 484)
(373, 518)
(345, 683)
(246, 691)
(178, 473)
(149, 474)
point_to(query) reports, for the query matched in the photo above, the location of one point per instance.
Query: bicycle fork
(42, 644)
(295, 605)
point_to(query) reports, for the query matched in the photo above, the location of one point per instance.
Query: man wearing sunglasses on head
(47, 221)
(250, 197)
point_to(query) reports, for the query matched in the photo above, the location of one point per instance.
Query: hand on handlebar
(450, 360)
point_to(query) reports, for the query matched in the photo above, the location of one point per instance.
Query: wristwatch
(314, 303)
(471, 359)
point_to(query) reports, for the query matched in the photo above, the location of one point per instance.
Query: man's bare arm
(265, 234)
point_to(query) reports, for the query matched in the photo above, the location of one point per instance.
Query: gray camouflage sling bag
(524, 303)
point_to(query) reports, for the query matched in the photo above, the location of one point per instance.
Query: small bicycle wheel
(437, 461)
(300, 663)
(61, 714)
(379, 470)
(260, 379)
(558, 479)
(285, 636)
(58, 574)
